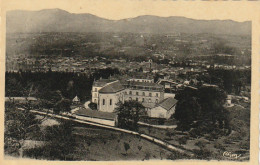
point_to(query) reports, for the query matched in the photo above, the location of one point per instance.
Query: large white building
(97, 85)
(108, 95)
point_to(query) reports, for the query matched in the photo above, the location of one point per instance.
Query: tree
(212, 102)
(202, 110)
(187, 112)
(127, 147)
(129, 114)
(50, 98)
(19, 124)
(61, 142)
(63, 105)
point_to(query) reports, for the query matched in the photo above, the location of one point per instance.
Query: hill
(56, 20)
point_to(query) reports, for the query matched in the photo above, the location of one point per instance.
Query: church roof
(112, 88)
(102, 82)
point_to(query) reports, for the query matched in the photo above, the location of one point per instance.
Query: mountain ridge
(57, 20)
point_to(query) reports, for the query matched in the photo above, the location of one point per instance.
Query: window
(150, 94)
(104, 101)
(126, 92)
(150, 100)
(157, 95)
(143, 100)
(136, 99)
(143, 94)
(95, 89)
(137, 93)
(130, 92)
(95, 100)
(110, 101)
(156, 101)
(130, 98)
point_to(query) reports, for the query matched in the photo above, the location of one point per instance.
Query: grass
(96, 144)
(237, 142)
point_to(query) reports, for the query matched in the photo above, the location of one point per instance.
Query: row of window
(143, 100)
(110, 102)
(137, 93)
(130, 98)
(143, 80)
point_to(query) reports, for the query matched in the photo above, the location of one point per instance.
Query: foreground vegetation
(64, 140)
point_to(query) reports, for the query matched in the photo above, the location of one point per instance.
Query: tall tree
(19, 124)
(128, 114)
(202, 109)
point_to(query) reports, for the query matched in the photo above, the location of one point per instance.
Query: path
(158, 126)
(86, 104)
(144, 136)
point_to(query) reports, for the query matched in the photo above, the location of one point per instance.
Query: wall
(170, 112)
(94, 92)
(159, 112)
(115, 97)
(140, 95)
(97, 120)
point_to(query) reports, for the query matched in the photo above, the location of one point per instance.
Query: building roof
(143, 84)
(168, 103)
(112, 88)
(76, 99)
(102, 82)
(96, 114)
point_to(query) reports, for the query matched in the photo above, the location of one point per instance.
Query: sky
(120, 9)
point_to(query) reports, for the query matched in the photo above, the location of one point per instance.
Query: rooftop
(143, 84)
(168, 103)
(102, 82)
(96, 114)
(112, 88)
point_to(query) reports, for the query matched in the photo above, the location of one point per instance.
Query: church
(107, 93)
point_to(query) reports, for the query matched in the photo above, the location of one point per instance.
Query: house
(76, 100)
(165, 109)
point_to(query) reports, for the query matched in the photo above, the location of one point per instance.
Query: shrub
(127, 147)
(92, 106)
(203, 154)
(34, 152)
(219, 146)
(200, 144)
(147, 156)
(183, 140)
